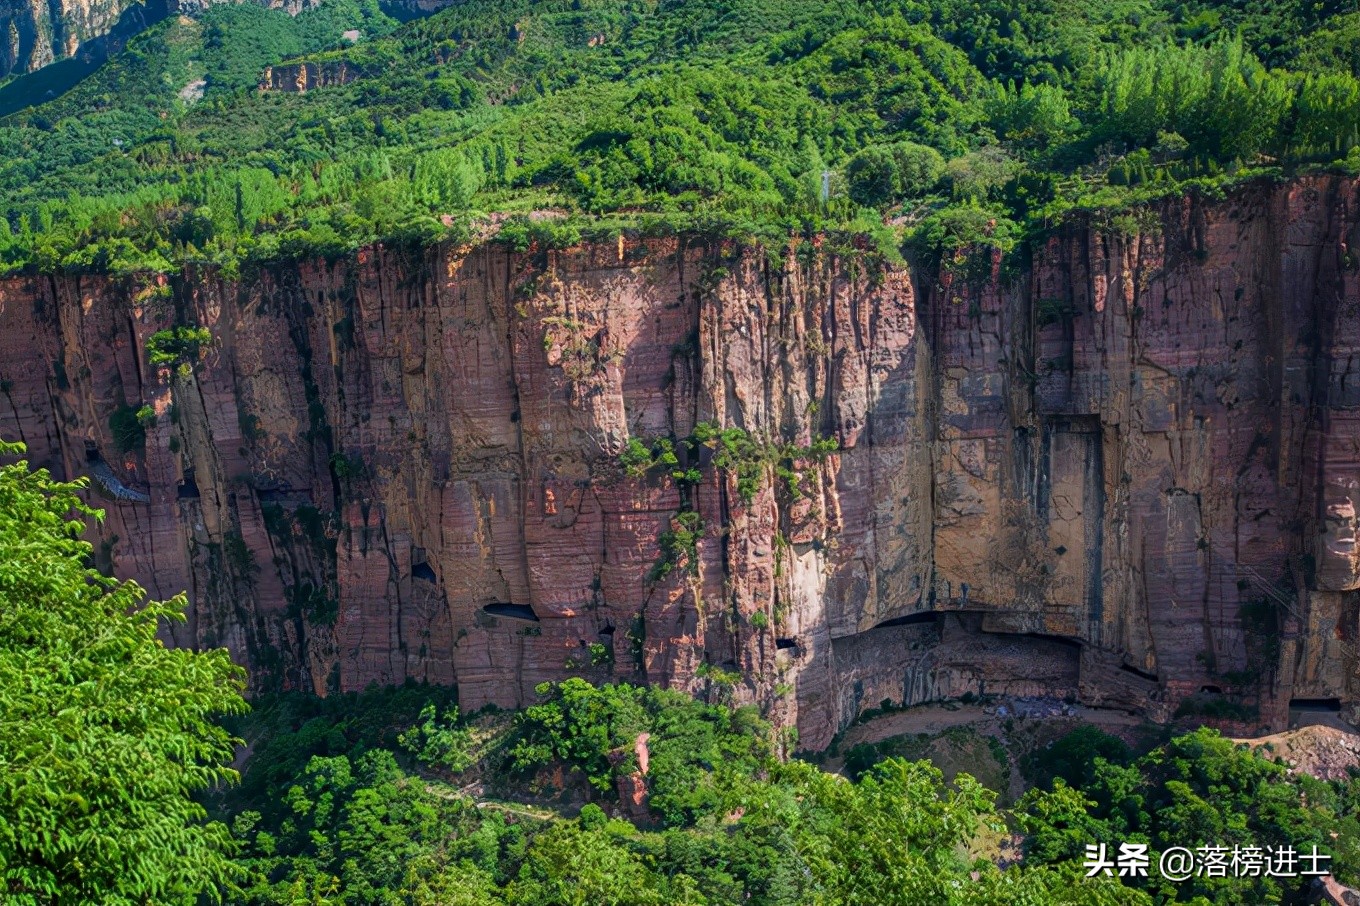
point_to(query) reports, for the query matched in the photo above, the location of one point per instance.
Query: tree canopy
(106, 734)
(754, 117)
(355, 811)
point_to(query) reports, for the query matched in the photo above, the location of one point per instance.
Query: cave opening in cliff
(424, 572)
(786, 644)
(1316, 705)
(513, 611)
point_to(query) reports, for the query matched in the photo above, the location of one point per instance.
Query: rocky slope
(34, 34)
(1066, 480)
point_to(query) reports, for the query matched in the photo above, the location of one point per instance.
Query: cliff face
(33, 34)
(301, 77)
(1127, 473)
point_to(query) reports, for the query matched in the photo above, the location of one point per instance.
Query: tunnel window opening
(424, 572)
(1212, 690)
(786, 644)
(1326, 705)
(513, 611)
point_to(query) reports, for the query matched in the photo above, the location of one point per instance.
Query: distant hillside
(82, 34)
(978, 121)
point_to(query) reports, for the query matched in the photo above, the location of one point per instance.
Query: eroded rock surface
(298, 78)
(1125, 474)
(33, 34)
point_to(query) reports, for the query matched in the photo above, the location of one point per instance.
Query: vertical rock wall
(1124, 472)
(35, 33)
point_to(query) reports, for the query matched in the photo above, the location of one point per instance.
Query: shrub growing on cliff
(127, 430)
(679, 545)
(733, 451)
(106, 735)
(636, 459)
(177, 346)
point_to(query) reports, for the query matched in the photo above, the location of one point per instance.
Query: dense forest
(392, 799)
(925, 125)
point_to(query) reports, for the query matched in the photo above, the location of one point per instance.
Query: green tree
(463, 884)
(1058, 823)
(568, 866)
(896, 837)
(106, 734)
(871, 176)
(883, 173)
(1072, 758)
(587, 727)
(1199, 789)
(919, 168)
(1034, 118)
(439, 741)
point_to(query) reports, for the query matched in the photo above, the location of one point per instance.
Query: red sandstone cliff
(1066, 481)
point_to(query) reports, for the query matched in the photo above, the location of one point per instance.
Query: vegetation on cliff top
(963, 122)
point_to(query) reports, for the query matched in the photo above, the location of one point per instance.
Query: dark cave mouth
(513, 611)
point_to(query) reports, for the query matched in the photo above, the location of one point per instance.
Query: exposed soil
(1326, 752)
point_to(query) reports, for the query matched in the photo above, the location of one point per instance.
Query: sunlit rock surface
(1066, 478)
